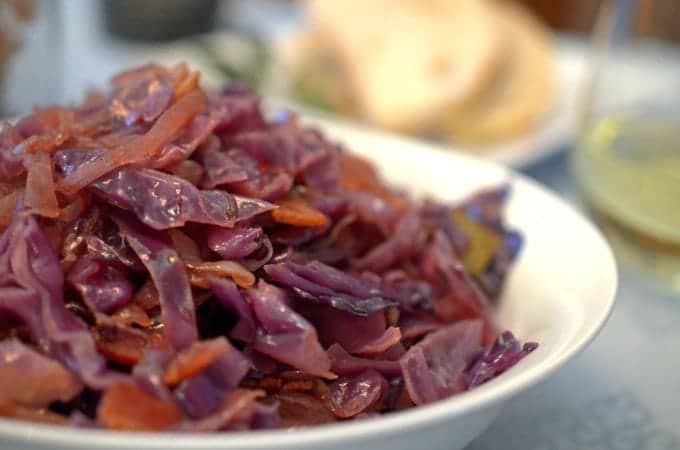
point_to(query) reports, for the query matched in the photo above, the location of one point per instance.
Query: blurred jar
(566, 15)
(30, 55)
(159, 20)
(627, 161)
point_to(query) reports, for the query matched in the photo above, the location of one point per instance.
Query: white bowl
(559, 294)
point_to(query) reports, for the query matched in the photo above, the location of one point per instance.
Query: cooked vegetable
(173, 260)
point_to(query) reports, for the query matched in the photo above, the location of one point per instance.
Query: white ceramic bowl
(559, 294)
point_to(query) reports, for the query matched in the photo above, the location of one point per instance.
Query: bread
(315, 75)
(522, 92)
(470, 72)
(408, 60)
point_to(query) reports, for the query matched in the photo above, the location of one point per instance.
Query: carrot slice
(165, 128)
(200, 273)
(127, 407)
(187, 84)
(141, 148)
(40, 195)
(194, 359)
(357, 174)
(58, 126)
(297, 212)
(122, 345)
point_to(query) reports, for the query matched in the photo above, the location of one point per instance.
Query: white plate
(560, 294)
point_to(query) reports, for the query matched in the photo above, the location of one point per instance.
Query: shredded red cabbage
(173, 260)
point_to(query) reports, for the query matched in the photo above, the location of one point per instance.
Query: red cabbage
(114, 252)
(286, 146)
(197, 266)
(441, 217)
(181, 148)
(351, 396)
(320, 283)
(293, 236)
(353, 332)
(103, 287)
(373, 209)
(164, 201)
(285, 335)
(239, 110)
(461, 297)
(198, 396)
(230, 406)
(221, 168)
(67, 160)
(230, 298)
(265, 185)
(405, 241)
(413, 324)
(142, 94)
(264, 417)
(148, 372)
(240, 172)
(31, 379)
(496, 358)
(434, 368)
(168, 274)
(343, 363)
(228, 371)
(234, 243)
(31, 290)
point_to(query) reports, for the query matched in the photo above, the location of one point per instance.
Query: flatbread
(522, 92)
(408, 60)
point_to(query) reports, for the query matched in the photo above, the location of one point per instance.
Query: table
(621, 393)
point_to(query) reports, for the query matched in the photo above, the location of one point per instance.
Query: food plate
(560, 294)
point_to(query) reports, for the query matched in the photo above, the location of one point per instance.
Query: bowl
(560, 293)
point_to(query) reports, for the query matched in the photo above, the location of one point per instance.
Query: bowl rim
(471, 401)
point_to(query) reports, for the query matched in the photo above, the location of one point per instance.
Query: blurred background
(580, 95)
(498, 77)
(41, 33)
